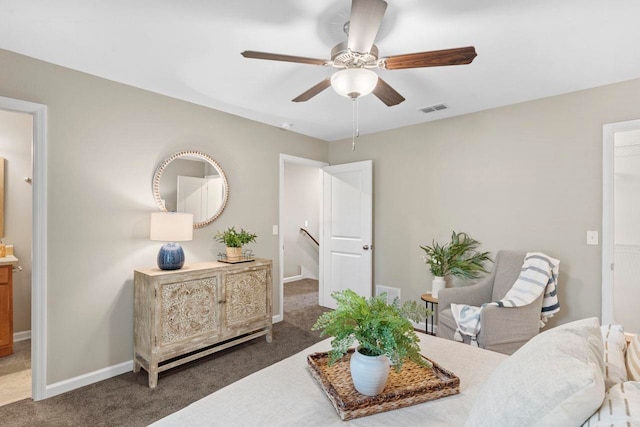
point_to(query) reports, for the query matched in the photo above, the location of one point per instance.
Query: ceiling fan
(358, 55)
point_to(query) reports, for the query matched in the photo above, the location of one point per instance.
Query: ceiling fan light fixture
(354, 82)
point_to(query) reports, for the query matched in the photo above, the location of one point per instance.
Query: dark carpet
(126, 400)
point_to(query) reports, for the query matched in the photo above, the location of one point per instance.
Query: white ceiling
(190, 50)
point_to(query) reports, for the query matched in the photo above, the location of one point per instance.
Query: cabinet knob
(222, 301)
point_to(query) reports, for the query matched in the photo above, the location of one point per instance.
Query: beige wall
(16, 131)
(302, 195)
(527, 177)
(105, 141)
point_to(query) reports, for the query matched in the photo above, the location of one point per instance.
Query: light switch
(592, 237)
(306, 223)
(275, 230)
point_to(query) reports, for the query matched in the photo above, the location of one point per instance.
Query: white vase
(437, 285)
(369, 373)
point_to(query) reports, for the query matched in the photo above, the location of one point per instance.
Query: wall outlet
(592, 237)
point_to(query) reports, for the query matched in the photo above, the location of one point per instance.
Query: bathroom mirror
(191, 182)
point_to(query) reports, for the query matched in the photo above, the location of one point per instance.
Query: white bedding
(285, 394)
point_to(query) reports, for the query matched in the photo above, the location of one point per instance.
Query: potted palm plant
(384, 334)
(234, 241)
(457, 258)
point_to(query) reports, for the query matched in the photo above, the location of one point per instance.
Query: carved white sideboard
(185, 314)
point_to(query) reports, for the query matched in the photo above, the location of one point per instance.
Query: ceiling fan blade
(286, 58)
(366, 17)
(305, 96)
(387, 94)
(434, 58)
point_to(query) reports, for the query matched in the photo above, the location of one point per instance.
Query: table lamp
(171, 227)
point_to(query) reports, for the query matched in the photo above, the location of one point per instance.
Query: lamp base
(170, 257)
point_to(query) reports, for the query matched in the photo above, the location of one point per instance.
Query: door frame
(38, 242)
(287, 158)
(608, 157)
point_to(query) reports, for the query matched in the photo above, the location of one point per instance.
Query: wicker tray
(413, 385)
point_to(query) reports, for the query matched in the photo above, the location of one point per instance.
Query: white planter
(437, 285)
(369, 373)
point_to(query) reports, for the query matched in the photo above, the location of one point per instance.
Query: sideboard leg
(153, 379)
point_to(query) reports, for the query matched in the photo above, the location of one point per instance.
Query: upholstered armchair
(502, 329)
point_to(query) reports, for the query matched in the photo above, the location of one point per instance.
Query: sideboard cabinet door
(247, 298)
(188, 311)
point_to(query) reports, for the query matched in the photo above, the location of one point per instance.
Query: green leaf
(458, 258)
(380, 328)
(235, 239)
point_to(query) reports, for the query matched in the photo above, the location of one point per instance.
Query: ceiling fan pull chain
(353, 123)
(357, 117)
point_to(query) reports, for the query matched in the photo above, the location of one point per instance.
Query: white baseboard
(21, 336)
(86, 379)
(277, 318)
(292, 278)
(307, 274)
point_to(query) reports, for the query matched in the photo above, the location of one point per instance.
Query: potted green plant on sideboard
(458, 258)
(384, 333)
(234, 241)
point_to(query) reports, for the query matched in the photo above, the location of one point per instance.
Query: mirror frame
(158, 174)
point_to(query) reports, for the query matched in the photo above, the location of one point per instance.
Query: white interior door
(214, 195)
(346, 246)
(192, 197)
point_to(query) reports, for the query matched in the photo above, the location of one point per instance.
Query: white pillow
(556, 379)
(621, 407)
(615, 345)
(633, 358)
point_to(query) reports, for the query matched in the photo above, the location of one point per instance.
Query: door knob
(365, 247)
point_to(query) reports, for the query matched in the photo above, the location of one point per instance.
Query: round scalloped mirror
(191, 182)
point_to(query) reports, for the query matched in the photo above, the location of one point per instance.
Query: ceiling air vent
(432, 108)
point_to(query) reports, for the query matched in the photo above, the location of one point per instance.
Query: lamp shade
(171, 227)
(354, 82)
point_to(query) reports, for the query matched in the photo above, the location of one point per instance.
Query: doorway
(16, 134)
(299, 227)
(38, 240)
(621, 233)
(345, 228)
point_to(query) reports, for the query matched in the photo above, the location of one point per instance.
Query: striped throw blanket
(539, 274)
